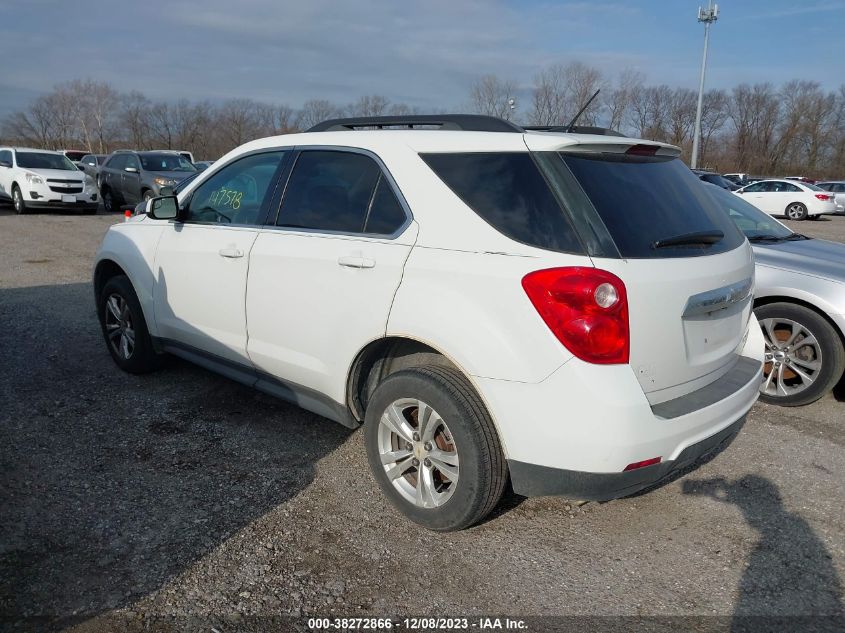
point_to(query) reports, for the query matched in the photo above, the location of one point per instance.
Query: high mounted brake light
(642, 149)
(586, 309)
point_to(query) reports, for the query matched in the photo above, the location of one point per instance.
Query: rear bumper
(576, 432)
(532, 480)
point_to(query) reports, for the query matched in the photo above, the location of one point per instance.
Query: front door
(323, 277)
(202, 263)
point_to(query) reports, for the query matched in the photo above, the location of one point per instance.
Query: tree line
(762, 129)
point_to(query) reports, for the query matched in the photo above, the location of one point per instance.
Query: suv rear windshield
(643, 200)
(610, 205)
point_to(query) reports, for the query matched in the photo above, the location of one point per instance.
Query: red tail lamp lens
(586, 309)
(645, 462)
(822, 196)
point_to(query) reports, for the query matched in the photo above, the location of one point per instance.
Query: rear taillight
(585, 308)
(823, 196)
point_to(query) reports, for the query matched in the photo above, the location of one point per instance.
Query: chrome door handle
(231, 253)
(356, 262)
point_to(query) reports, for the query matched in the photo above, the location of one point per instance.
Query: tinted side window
(645, 200)
(508, 191)
(837, 188)
(117, 162)
(757, 187)
(329, 191)
(386, 215)
(6, 156)
(132, 161)
(236, 193)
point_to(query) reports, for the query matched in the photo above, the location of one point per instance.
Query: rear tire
(458, 454)
(109, 201)
(796, 211)
(17, 200)
(800, 372)
(125, 329)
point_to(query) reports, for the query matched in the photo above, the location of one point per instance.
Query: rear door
(202, 263)
(111, 175)
(782, 194)
(322, 277)
(689, 300)
(132, 180)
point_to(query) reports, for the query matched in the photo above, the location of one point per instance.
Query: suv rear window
(643, 200)
(509, 192)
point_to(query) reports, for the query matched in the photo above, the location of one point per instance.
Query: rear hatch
(688, 271)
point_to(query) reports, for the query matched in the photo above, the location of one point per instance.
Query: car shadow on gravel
(113, 484)
(790, 572)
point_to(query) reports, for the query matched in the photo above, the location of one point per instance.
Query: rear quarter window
(642, 200)
(508, 191)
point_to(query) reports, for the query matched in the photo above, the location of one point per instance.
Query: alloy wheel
(793, 357)
(418, 453)
(119, 328)
(795, 212)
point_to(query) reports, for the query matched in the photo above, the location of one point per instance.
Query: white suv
(571, 311)
(41, 179)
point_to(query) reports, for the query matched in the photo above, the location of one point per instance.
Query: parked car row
(41, 179)
(793, 199)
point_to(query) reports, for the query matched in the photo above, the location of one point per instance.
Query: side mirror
(131, 170)
(80, 167)
(5, 163)
(163, 208)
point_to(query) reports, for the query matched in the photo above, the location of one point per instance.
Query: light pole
(708, 16)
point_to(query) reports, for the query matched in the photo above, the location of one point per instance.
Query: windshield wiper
(777, 238)
(697, 238)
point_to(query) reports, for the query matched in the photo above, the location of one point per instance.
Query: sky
(423, 53)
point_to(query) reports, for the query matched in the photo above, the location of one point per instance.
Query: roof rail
(575, 129)
(465, 122)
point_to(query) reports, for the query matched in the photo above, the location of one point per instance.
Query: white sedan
(796, 200)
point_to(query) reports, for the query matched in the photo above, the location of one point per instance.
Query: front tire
(125, 329)
(433, 448)
(804, 354)
(796, 211)
(148, 195)
(17, 201)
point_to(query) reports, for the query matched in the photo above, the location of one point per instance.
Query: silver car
(799, 302)
(837, 188)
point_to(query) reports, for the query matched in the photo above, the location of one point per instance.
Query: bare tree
(681, 109)
(560, 91)
(134, 119)
(617, 100)
(492, 96)
(369, 105)
(714, 113)
(316, 110)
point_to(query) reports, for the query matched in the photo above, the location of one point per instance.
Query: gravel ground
(182, 500)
